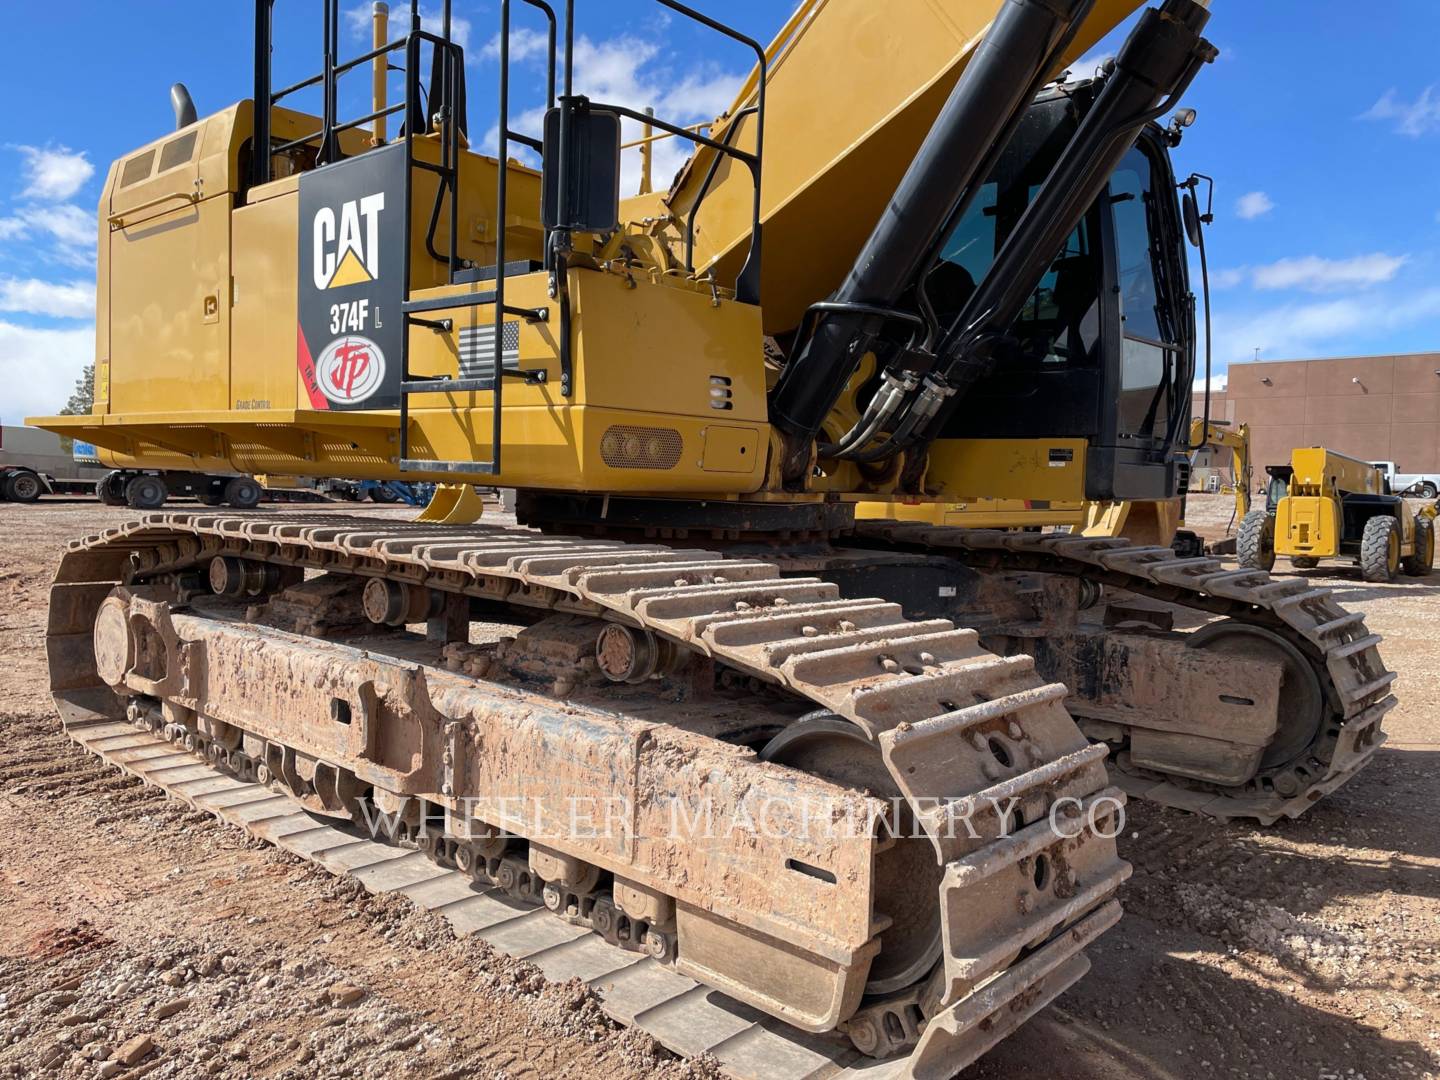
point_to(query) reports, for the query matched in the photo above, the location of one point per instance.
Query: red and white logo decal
(350, 369)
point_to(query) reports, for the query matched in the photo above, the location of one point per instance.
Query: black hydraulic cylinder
(988, 98)
(1157, 61)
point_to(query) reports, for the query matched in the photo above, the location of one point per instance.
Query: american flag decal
(477, 349)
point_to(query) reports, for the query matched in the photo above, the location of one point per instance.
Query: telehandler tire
(1380, 549)
(1420, 564)
(1255, 542)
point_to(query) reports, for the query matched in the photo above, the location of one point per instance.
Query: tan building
(1380, 408)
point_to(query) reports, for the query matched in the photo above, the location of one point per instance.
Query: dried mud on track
(1308, 950)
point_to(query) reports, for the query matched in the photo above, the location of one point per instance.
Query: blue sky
(1322, 131)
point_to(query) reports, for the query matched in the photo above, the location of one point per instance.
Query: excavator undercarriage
(823, 810)
(846, 819)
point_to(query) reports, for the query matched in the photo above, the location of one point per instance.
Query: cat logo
(349, 255)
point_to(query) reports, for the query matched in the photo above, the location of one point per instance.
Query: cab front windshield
(1060, 322)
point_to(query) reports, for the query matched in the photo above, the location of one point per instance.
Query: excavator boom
(852, 91)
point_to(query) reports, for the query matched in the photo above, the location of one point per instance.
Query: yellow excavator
(788, 787)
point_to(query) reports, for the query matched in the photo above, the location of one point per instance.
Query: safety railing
(446, 121)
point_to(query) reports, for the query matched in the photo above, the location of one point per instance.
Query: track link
(1343, 652)
(960, 730)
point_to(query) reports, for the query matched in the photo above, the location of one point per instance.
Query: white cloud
(1324, 328)
(703, 97)
(525, 44)
(620, 70)
(38, 368)
(54, 174)
(1312, 273)
(1315, 274)
(1088, 66)
(29, 296)
(69, 224)
(1253, 205)
(1229, 278)
(1413, 118)
(627, 70)
(71, 228)
(1218, 381)
(359, 21)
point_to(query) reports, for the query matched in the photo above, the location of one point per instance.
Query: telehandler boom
(828, 806)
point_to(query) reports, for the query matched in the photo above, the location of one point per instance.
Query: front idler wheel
(907, 874)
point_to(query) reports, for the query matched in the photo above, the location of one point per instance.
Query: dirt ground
(1307, 950)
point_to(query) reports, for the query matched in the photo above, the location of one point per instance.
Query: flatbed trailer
(34, 462)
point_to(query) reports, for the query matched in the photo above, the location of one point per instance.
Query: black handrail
(266, 98)
(747, 283)
(694, 214)
(448, 73)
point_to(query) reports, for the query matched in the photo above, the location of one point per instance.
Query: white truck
(1417, 485)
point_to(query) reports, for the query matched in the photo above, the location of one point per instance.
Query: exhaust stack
(183, 105)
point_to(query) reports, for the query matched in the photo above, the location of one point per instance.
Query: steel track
(927, 694)
(1343, 652)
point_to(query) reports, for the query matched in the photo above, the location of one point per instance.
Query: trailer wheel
(145, 493)
(1419, 564)
(1380, 549)
(383, 493)
(243, 493)
(1187, 544)
(24, 486)
(1255, 542)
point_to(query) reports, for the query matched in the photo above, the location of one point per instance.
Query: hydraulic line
(989, 97)
(1158, 61)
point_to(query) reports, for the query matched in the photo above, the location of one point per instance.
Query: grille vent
(177, 151)
(137, 168)
(625, 446)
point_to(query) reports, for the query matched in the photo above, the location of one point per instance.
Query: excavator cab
(1104, 347)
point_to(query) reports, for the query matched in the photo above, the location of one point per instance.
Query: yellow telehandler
(1325, 505)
